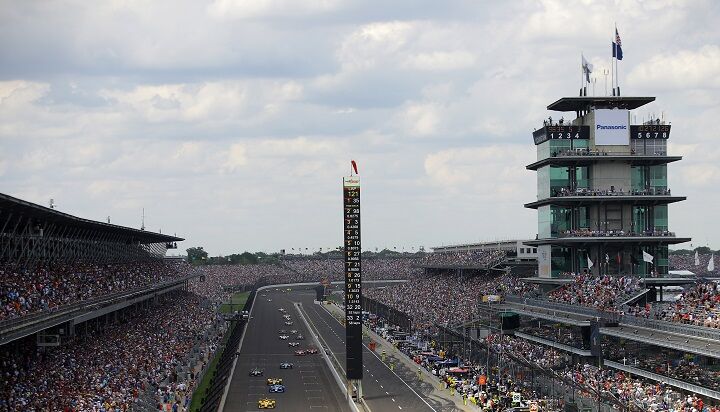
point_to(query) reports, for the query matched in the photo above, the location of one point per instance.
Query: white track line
(388, 368)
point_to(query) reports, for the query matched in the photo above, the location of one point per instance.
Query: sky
(232, 122)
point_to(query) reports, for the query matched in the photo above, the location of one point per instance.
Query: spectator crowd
(697, 305)
(583, 191)
(145, 358)
(446, 299)
(687, 262)
(600, 292)
(465, 258)
(689, 368)
(585, 381)
(49, 287)
(152, 358)
(615, 233)
(313, 269)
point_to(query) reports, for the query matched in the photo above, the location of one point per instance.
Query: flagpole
(617, 74)
(582, 74)
(612, 66)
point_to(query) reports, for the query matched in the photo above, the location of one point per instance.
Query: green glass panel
(661, 217)
(582, 177)
(658, 176)
(637, 177)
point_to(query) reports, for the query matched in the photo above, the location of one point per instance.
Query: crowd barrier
(213, 394)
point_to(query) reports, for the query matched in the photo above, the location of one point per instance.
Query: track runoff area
(310, 385)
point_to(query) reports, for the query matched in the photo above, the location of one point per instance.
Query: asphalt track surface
(310, 384)
(383, 389)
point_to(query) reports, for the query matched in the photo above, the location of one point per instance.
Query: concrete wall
(607, 174)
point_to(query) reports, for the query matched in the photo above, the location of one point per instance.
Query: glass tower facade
(602, 195)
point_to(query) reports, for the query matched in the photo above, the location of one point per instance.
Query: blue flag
(617, 46)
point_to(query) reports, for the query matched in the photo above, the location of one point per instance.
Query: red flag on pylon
(354, 166)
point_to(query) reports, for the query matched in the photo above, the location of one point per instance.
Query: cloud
(441, 60)
(420, 119)
(239, 109)
(684, 69)
(241, 9)
(236, 157)
(369, 45)
(493, 172)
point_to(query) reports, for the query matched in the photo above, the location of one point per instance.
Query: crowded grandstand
(138, 332)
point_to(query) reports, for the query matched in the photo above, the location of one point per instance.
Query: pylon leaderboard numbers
(353, 292)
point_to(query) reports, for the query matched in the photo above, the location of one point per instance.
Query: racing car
(256, 372)
(274, 381)
(277, 388)
(283, 337)
(282, 331)
(286, 365)
(300, 337)
(289, 323)
(266, 403)
(294, 331)
(300, 352)
(311, 351)
(293, 344)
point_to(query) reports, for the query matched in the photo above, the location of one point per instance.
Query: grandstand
(37, 241)
(477, 258)
(595, 321)
(516, 251)
(98, 301)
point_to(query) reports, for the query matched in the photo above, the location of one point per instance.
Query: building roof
(573, 104)
(648, 160)
(581, 240)
(585, 200)
(9, 204)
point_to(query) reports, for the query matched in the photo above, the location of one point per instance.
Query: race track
(310, 385)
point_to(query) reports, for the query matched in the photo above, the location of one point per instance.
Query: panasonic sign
(611, 127)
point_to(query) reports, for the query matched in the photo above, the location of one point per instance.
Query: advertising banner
(612, 127)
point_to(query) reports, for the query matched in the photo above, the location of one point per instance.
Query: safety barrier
(700, 390)
(688, 330)
(213, 394)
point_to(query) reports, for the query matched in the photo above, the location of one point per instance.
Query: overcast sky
(232, 122)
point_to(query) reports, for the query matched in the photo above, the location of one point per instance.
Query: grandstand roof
(495, 244)
(9, 204)
(572, 104)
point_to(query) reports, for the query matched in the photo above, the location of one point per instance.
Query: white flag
(587, 68)
(697, 259)
(590, 263)
(647, 257)
(607, 258)
(711, 263)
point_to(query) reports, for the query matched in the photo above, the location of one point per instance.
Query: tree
(196, 254)
(248, 258)
(703, 250)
